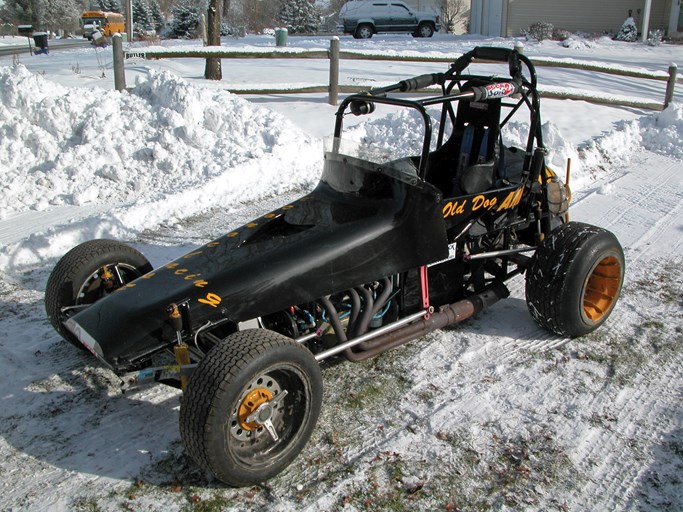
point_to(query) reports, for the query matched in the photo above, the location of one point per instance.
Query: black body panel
(361, 223)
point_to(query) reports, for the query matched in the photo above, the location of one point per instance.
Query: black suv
(363, 19)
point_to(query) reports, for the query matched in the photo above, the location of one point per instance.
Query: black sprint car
(385, 249)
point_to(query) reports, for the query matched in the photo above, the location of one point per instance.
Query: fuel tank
(361, 223)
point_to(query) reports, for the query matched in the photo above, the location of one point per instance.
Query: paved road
(53, 44)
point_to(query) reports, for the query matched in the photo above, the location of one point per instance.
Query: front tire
(574, 279)
(251, 406)
(364, 31)
(86, 274)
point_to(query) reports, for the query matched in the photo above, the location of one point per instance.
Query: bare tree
(260, 14)
(166, 6)
(451, 11)
(333, 7)
(213, 22)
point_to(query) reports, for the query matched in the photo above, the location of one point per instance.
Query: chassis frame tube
(373, 334)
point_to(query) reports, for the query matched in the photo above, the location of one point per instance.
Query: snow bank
(663, 132)
(166, 151)
(67, 146)
(660, 133)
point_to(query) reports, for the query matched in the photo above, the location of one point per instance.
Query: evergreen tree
(142, 15)
(300, 16)
(43, 14)
(58, 14)
(107, 5)
(158, 19)
(628, 31)
(185, 21)
(22, 12)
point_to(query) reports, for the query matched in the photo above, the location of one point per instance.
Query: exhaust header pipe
(411, 327)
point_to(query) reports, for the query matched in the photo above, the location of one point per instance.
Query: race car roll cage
(360, 104)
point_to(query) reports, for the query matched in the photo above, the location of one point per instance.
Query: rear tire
(76, 279)
(574, 279)
(260, 375)
(363, 31)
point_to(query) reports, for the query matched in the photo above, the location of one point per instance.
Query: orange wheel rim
(250, 403)
(602, 289)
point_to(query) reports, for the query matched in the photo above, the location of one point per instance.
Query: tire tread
(546, 276)
(214, 373)
(60, 283)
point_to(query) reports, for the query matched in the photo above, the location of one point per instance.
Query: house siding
(605, 16)
(435, 7)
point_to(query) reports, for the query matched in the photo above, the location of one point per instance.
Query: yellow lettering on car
(211, 299)
(454, 208)
(482, 202)
(512, 199)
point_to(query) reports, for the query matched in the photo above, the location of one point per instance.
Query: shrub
(655, 37)
(539, 31)
(560, 34)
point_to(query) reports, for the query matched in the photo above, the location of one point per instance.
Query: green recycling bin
(40, 40)
(281, 37)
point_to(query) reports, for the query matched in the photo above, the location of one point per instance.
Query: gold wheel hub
(602, 289)
(254, 399)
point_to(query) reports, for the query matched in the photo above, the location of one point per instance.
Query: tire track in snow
(659, 230)
(644, 205)
(639, 415)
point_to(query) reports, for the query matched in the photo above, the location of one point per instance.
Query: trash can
(280, 37)
(40, 39)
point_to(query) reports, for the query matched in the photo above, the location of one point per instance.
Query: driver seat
(468, 162)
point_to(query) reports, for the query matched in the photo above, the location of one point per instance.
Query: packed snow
(175, 160)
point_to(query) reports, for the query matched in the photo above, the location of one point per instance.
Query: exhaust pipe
(385, 338)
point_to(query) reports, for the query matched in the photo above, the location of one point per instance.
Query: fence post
(334, 71)
(119, 73)
(670, 84)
